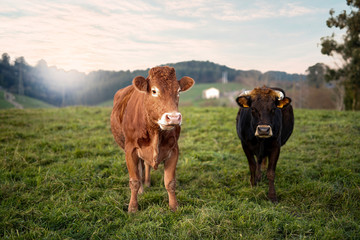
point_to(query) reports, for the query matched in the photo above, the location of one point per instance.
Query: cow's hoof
(141, 189)
(258, 179)
(174, 207)
(132, 208)
(252, 182)
(273, 199)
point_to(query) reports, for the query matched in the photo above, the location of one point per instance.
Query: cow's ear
(243, 101)
(284, 102)
(140, 83)
(186, 83)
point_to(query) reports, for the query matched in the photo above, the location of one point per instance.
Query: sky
(89, 35)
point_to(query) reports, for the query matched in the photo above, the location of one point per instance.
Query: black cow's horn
(279, 94)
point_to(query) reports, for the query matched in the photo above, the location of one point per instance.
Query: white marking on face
(167, 123)
(178, 92)
(155, 92)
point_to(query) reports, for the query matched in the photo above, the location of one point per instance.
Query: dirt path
(11, 99)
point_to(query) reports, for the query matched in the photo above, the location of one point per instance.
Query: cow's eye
(154, 92)
(254, 111)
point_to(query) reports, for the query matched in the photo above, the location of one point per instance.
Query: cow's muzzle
(263, 131)
(169, 120)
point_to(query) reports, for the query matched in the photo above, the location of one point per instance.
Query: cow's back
(121, 100)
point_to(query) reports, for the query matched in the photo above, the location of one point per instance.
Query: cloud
(90, 35)
(97, 30)
(261, 10)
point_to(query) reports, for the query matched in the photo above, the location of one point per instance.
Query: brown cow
(145, 122)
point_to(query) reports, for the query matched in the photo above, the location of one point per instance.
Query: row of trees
(209, 72)
(59, 87)
(62, 88)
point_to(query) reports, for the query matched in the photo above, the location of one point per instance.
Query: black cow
(264, 123)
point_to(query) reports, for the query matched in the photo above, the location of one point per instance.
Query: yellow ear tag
(280, 105)
(283, 102)
(242, 101)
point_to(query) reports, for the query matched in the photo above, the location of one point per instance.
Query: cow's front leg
(259, 167)
(252, 164)
(141, 174)
(147, 175)
(132, 162)
(273, 158)
(169, 178)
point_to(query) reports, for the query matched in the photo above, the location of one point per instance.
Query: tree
(316, 75)
(20, 63)
(5, 59)
(41, 64)
(348, 74)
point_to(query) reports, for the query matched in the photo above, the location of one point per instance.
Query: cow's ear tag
(140, 83)
(282, 103)
(242, 101)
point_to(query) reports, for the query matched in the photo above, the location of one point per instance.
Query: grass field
(63, 177)
(26, 102)
(3, 103)
(194, 96)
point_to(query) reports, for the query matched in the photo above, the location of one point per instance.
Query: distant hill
(24, 101)
(60, 88)
(209, 72)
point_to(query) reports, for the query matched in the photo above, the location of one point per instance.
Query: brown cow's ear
(140, 83)
(243, 101)
(284, 102)
(186, 83)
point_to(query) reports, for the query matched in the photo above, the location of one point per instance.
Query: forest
(66, 88)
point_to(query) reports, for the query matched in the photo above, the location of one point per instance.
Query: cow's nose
(173, 118)
(263, 131)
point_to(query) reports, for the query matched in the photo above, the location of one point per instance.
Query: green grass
(26, 102)
(194, 96)
(63, 177)
(3, 103)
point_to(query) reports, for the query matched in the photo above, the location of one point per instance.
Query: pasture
(26, 102)
(63, 177)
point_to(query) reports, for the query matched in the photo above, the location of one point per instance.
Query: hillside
(63, 177)
(23, 101)
(209, 72)
(60, 88)
(3, 103)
